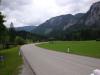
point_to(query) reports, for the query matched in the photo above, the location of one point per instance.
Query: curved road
(46, 62)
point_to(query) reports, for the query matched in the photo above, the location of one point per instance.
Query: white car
(96, 72)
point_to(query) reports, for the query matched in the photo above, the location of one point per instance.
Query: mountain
(90, 20)
(25, 28)
(59, 23)
(88, 26)
(73, 27)
(92, 17)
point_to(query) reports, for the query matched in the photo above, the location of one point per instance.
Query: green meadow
(84, 48)
(12, 61)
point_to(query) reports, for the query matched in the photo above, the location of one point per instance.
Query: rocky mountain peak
(93, 15)
(95, 9)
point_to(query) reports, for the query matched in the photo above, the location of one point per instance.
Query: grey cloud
(67, 2)
(76, 6)
(35, 12)
(14, 4)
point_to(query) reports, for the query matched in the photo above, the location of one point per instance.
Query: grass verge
(11, 63)
(84, 48)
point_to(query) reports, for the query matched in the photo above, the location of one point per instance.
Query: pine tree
(3, 31)
(12, 33)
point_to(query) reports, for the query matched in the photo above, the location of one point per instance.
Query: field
(84, 48)
(11, 62)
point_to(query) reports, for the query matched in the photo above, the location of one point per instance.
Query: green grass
(85, 48)
(11, 63)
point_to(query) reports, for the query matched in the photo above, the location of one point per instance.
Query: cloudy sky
(35, 12)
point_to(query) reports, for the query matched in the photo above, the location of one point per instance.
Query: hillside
(59, 23)
(88, 27)
(69, 27)
(25, 28)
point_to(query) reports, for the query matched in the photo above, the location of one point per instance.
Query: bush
(98, 39)
(20, 41)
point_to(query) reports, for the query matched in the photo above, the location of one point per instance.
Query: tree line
(75, 34)
(7, 35)
(11, 37)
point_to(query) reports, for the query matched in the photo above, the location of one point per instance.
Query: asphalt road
(46, 62)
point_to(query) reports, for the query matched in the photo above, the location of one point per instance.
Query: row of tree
(74, 34)
(8, 36)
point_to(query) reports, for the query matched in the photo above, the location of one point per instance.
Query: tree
(20, 41)
(12, 33)
(3, 31)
